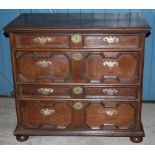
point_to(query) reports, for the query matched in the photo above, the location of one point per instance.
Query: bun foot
(22, 138)
(136, 139)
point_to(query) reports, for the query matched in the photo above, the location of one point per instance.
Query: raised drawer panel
(76, 67)
(79, 114)
(80, 91)
(41, 41)
(113, 115)
(112, 67)
(45, 115)
(42, 67)
(112, 41)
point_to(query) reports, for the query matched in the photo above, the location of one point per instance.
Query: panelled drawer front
(80, 91)
(41, 41)
(112, 41)
(112, 67)
(79, 114)
(111, 115)
(78, 67)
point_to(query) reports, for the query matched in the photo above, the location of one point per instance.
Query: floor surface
(8, 124)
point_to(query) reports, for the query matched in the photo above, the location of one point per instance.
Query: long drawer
(47, 41)
(77, 91)
(68, 115)
(78, 67)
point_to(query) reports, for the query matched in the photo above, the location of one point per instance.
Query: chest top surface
(108, 21)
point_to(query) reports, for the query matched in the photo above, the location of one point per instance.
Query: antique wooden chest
(78, 74)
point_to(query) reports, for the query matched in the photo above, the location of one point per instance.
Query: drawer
(112, 67)
(69, 115)
(80, 91)
(78, 67)
(112, 41)
(31, 41)
(111, 115)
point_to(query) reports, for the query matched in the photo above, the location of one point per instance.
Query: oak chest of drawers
(78, 74)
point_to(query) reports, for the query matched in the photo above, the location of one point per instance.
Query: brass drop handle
(110, 39)
(44, 63)
(110, 91)
(47, 111)
(43, 40)
(78, 105)
(77, 56)
(45, 91)
(110, 64)
(111, 112)
(76, 38)
(77, 90)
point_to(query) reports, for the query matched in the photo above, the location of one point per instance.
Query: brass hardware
(77, 90)
(111, 112)
(43, 40)
(78, 105)
(44, 63)
(110, 64)
(45, 91)
(47, 112)
(77, 56)
(110, 92)
(76, 38)
(111, 39)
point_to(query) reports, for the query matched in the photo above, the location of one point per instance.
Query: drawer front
(76, 67)
(42, 67)
(112, 41)
(29, 41)
(45, 115)
(112, 67)
(111, 115)
(78, 115)
(41, 41)
(80, 91)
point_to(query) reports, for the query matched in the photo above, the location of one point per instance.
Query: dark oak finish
(78, 74)
(64, 91)
(92, 115)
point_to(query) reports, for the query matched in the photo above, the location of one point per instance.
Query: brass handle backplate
(76, 38)
(77, 56)
(78, 105)
(111, 112)
(43, 40)
(44, 63)
(110, 64)
(111, 39)
(47, 112)
(45, 91)
(110, 91)
(77, 90)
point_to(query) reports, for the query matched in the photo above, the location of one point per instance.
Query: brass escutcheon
(76, 38)
(77, 56)
(77, 90)
(78, 105)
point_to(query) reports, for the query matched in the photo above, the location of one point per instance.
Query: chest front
(78, 81)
